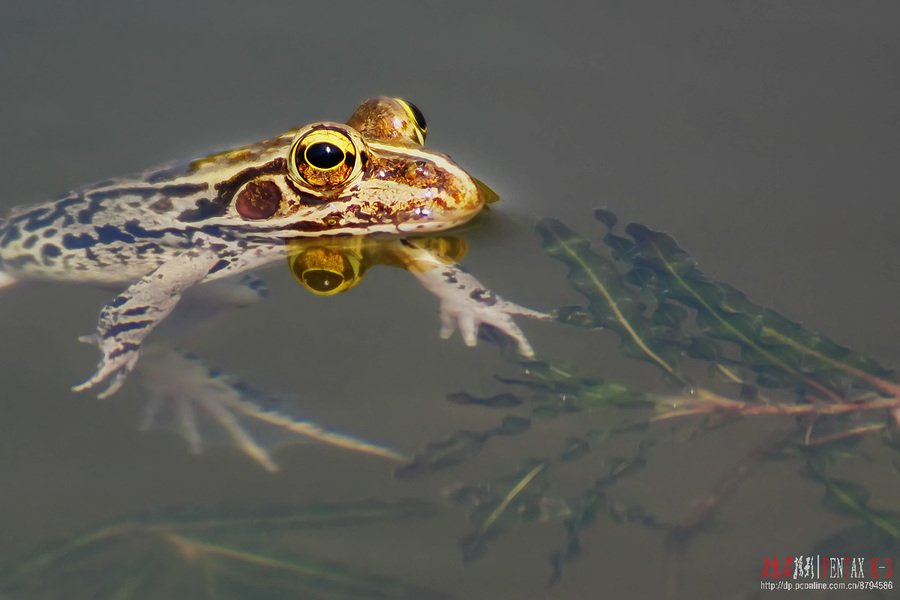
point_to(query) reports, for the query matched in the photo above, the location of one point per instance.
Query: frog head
(372, 174)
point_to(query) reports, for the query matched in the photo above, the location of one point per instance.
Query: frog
(198, 223)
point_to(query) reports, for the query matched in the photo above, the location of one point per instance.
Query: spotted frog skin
(162, 232)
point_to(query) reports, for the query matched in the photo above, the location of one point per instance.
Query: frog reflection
(328, 266)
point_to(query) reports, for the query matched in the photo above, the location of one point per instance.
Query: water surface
(762, 136)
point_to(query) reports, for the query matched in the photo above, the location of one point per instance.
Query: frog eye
(390, 120)
(325, 158)
(323, 282)
(326, 271)
(413, 112)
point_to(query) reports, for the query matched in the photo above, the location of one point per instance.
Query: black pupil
(322, 280)
(417, 114)
(324, 155)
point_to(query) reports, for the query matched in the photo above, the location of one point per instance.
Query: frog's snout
(466, 200)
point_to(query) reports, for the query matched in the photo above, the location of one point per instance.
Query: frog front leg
(127, 320)
(468, 304)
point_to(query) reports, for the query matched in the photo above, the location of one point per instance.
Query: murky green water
(762, 136)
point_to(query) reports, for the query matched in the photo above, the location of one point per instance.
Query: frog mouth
(447, 221)
(437, 216)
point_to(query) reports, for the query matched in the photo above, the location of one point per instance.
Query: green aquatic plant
(213, 555)
(651, 293)
(721, 358)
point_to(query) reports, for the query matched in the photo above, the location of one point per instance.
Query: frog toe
(504, 323)
(117, 361)
(116, 381)
(511, 308)
(468, 328)
(448, 325)
(470, 317)
(524, 347)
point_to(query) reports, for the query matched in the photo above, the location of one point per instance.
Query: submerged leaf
(845, 497)
(502, 503)
(767, 339)
(442, 455)
(211, 555)
(612, 301)
(505, 400)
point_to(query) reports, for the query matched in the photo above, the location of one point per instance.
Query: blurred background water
(761, 135)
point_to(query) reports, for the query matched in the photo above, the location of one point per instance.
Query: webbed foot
(466, 304)
(206, 403)
(488, 309)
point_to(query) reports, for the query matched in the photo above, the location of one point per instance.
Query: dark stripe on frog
(155, 248)
(29, 242)
(182, 190)
(207, 209)
(218, 232)
(118, 192)
(118, 301)
(140, 234)
(123, 327)
(219, 266)
(97, 199)
(32, 214)
(35, 219)
(134, 228)
(109, 234)
(11, 234)
(124, 348)
(86, 215)
(89, 254)
(78, 242)
(306, 198)
(167, 173)
(17, 262)
(175, 190)
(49, 252)
(305, 226)
(320, 226)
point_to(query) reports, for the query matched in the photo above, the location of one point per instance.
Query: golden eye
(325, 271)
(325, 158)
(418, 119)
